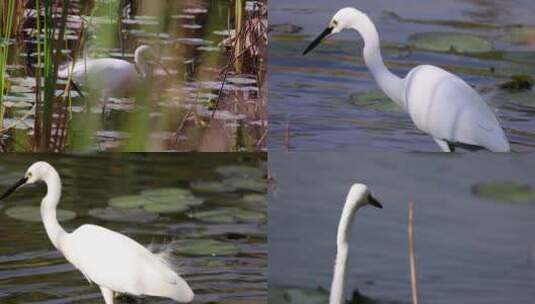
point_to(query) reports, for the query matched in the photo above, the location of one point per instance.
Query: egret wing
(115, 261)
(444, 106)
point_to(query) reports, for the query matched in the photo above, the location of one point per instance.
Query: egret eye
(29, 175)
(334, 23)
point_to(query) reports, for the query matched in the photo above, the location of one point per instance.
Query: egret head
(343, 19)
(35, 173)
(360, 195)
(144, 53)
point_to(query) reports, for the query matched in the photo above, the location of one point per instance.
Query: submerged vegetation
(206, 93)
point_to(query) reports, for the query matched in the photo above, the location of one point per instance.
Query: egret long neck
(141, 64)
(391, 84)
(342, 249)
(55, 232)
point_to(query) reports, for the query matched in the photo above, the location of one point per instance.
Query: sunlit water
(32, 271)
(314, 98)
(468, 249)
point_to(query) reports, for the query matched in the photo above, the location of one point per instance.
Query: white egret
(438, 102)
(112, 77)
(358, 196)
(113, 261)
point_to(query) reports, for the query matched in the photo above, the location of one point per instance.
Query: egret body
(112, 77)
(438, 102)
(358, 196)
(113, 261)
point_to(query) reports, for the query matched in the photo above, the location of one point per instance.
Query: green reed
(7, 15)
(53, 38)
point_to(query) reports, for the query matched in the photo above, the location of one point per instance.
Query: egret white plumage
(358, 197)
(438, 102)
(113, 261)
(112, 77)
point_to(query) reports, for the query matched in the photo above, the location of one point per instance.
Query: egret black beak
(318, 39)
(12, 189)
(372, 201)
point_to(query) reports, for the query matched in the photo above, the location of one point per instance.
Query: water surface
(468, 249)
(32, 271)
(315, 99)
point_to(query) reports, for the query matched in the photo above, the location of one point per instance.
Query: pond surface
(469, 249)
(172, 110)
(223, 258)
(327, 100)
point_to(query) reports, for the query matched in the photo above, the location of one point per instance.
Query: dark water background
(32, 271)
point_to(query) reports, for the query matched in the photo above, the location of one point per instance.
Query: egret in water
(438, 102)
(112, 77)
(358, 196)
(113, 261)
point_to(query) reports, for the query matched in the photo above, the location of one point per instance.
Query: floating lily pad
(161, 200)
(240, 171)
(220, 216)
(123, 215)
(33, 214)
(254, 199)
(520, 36)
(199, 247)
(447, 41)
(375, 100)
(165, 192)
(166, 208)
(230, 216)
(279, 295)
(129, 201)
(505, 192)
(212, 186)
(518, 82)
(249, 184)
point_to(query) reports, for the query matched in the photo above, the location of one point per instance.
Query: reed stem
(414, 287)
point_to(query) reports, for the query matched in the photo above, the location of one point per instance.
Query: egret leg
(107, 294)
(105, 97)
(444, 146)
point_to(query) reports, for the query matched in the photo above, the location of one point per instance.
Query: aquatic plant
(7, 13)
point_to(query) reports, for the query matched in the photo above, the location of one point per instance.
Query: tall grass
(7, 12)
(53, 38)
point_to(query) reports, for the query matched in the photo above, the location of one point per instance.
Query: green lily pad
(230, 216)
(166, 208)
(255, 199)
(279, 295)
(199, 247)
(129, 201)
(375, 100)
(520, 36)
(187, 200)
(240, 171)
(165, 192)
(249, 184)
(447, 41)
(518, 82)
(123, 215)
(161, 200)
(33, 214)
(212, 186)
(220, 216)
(505, 192)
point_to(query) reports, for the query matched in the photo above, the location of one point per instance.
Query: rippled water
(32, 271)
(468, 249)
(314, 99)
